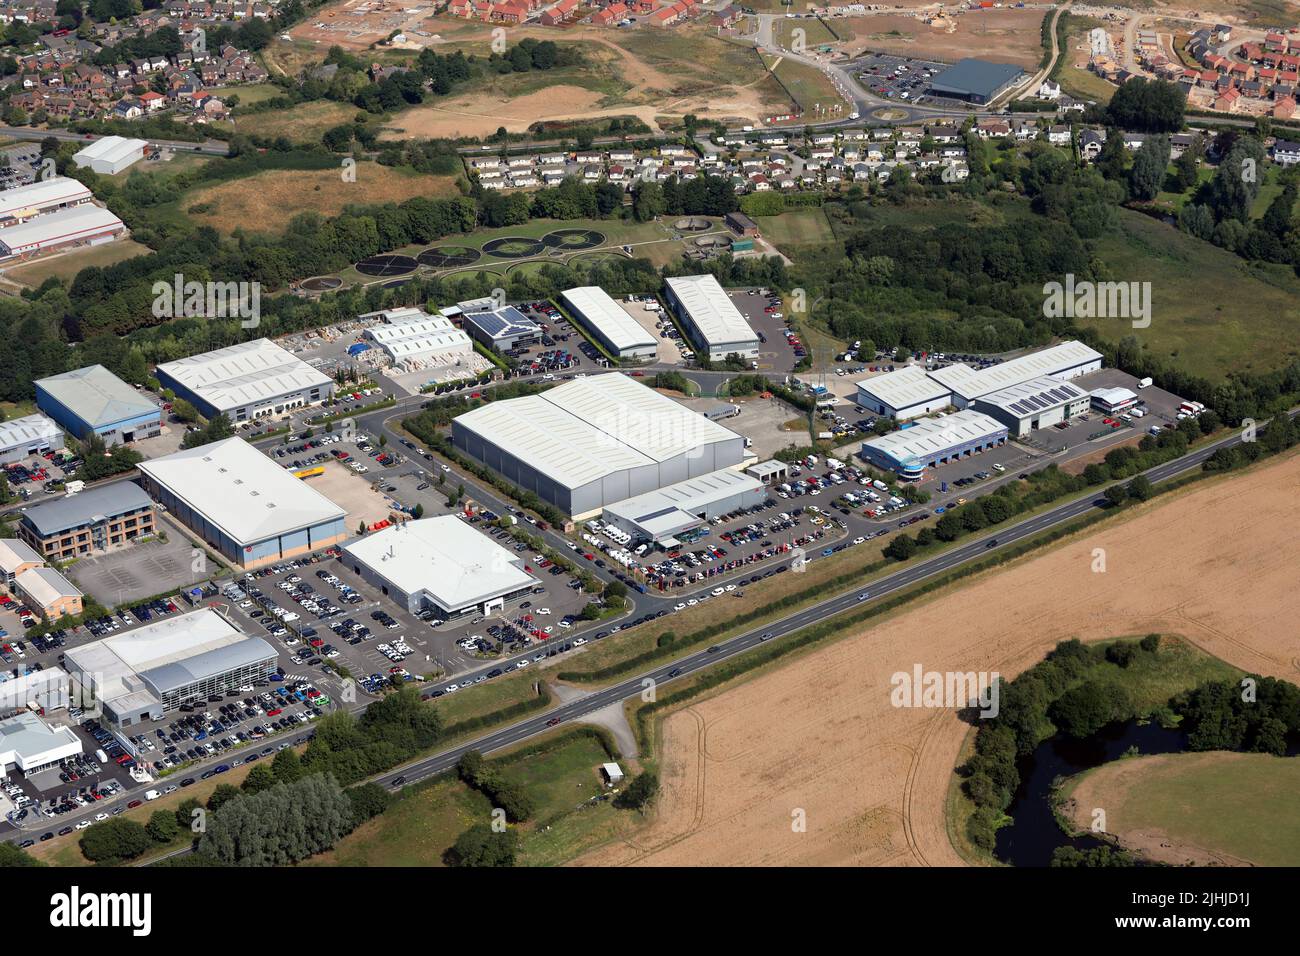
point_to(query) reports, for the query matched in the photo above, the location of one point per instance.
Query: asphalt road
(206, 148)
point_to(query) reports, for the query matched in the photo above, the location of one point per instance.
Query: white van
(152, 794)
(101, 756)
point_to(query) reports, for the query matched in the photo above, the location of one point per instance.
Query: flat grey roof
(932, 436)
(976, 77)
(106, 501)
(904, 387)
(97, 396)
(670, 509)
(28, 430)
(179, 674)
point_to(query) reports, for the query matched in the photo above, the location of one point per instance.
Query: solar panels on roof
(502, 323)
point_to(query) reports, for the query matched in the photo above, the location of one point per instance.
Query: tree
(11, 855)
(221, 795)
(1116, 495)
(480, 845)
(260, 778)
(1139, 489)
(279, 826)
(637, 794)
(901, 548)
(162, 826)
(368, 800)
(1084, 710)
(112, 840)
(1147, 175)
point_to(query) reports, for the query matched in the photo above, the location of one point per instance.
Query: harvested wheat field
(1215, 564)
(1007, 35)
(263, 198)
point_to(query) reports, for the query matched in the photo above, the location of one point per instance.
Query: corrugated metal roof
(972, 384)
(594, 305)
(29, 430)
(44, 586)
(243, 374)
(711, 310)
(684, 496)
(109, 149)
(935, 436)
(97, 396)
(904, 387)
(61, 225)
(41, 194)
(219, 660)
(1034, 396)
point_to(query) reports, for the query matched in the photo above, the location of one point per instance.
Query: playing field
(818, 740)
(272, 197)
(1197, 809)
(796, 227)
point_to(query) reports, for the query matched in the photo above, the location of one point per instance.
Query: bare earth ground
(263, 198)
(1215, 564)
(1007, 35)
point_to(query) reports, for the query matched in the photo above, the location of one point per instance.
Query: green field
(425, 820)
(797, 227)
(815, 33)
(1238, 804)
(1212, 312)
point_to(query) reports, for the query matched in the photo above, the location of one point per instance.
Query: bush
(480, 845)
(113, 840)
(162, 826)
(639, 792)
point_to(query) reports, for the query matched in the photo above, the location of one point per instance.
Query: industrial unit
(713, 323)
(40, 198)
(16, 556)
(440, 564)
(413, 338)
(92, 520)
(94, 401)
(242, 503)
(659, 516)
(29, 744)
(975, 81)
(903, 394)
(30, 435)
(86, 223)
(246, 381)
(110, 155)
(609, 323)
(143, 674)
(1062, 362)
(593, 441)
(1113, 401)
(934, 441)
(501, 329)
(1037, 403)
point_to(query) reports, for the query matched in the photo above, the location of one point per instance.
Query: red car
(274, 712)
(553, 721)
(133, 804)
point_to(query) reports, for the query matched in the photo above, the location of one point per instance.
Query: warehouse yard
(818, 739)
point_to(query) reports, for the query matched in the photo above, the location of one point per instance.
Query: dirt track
(1216, 565)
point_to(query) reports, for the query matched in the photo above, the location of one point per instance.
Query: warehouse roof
(670, 510)
(120, 662)
(971, 384)
(1114, 396)
(15, 552)
(932, 436)
(28, 430)
(179, 674)
(41, 194)
(85, 507)
(44, 586)
(904, 387)
(711, 310)
(502, 323)
(109, 149)
(26, 736)
(97, 396)
(979, 77)
(1034, 396)
(413, 333)
(596, 306)
(242, 492)
(61, 225)
(245, 373)
(455, 564)
(590, 427)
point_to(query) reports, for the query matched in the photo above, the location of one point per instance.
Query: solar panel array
(500, 323)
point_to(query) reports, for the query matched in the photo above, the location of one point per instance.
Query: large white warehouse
(83, 223)
(596, 440)
(1037, 403)
(416, 339)
(246, 381)
(934, 441)
(609, 323)
(111, 154)
(713, 323)
(441, 564)
(903, 394)
(1065, 361)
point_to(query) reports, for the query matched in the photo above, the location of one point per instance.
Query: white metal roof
(590, 427)
(904, 387)
(711, 310)
(15, 552)
(241, 491)
(61, 225)
(1034, 396)
(671, 509)
(971, 384)
(414, 333)
(26, 740)
(109, 149)
(41, 194)
(28, 430)
(596, 306)
(44, 586)
(457, 565)
(245, 373)
(932, 436)
(1114, 396)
